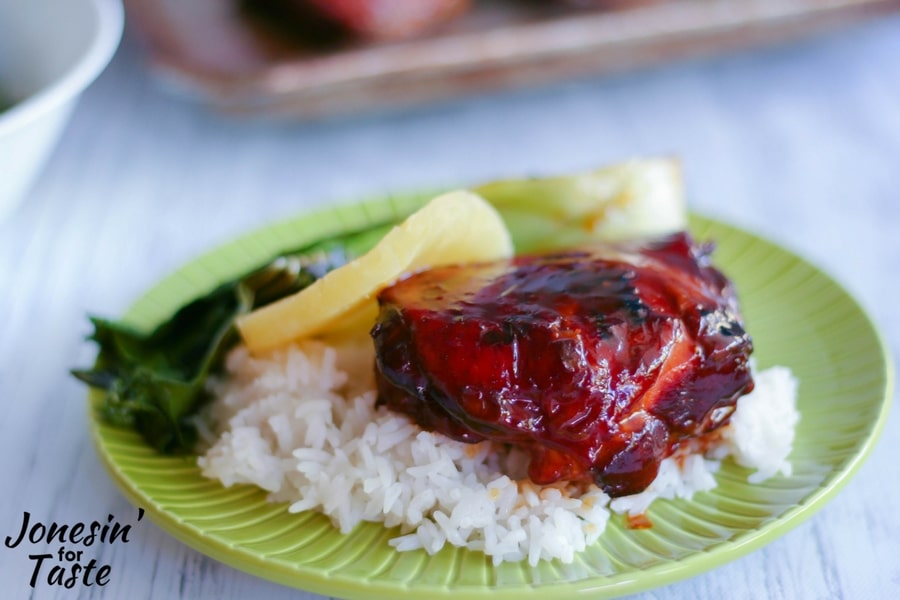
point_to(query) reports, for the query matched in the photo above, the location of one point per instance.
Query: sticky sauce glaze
(598, 362)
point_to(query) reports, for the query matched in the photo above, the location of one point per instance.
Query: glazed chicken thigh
(598, 362)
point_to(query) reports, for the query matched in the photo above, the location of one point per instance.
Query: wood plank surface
(240, 62)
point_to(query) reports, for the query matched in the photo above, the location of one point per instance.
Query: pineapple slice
(456, 227)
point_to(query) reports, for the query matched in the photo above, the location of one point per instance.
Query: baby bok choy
(154, 381)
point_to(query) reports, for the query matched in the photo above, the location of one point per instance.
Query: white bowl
(50, 51)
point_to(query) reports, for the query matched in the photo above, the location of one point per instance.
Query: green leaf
(154, 382)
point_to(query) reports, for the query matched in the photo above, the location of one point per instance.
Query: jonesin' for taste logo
(68, 564)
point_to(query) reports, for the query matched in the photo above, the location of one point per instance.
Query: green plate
(798, 317)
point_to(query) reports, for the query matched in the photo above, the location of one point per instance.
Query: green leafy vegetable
(639, 198)
(154, 382)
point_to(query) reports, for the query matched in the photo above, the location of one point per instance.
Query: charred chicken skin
(599, 362)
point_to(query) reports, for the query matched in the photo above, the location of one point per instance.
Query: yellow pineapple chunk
(456, 227)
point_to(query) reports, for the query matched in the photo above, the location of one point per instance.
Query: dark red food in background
(598, 362)
(398, 19)
(377, 19)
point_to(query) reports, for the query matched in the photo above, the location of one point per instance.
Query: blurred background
(213, 119)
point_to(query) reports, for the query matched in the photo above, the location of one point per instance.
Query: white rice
(301, 424)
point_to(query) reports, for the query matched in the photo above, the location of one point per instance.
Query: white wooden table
(799, 143)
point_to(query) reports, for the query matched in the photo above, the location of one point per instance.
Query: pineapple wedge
(456, 227)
